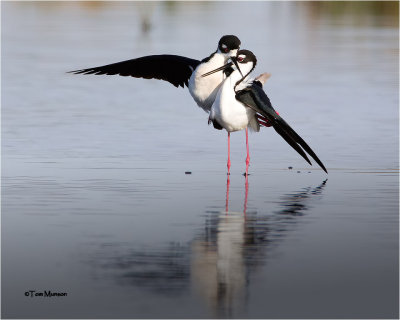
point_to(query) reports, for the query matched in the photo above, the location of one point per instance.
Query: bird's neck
(237, 80)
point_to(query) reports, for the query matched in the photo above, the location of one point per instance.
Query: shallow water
(96, 202)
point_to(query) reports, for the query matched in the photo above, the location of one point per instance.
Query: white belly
(230, 113)
(204, 89)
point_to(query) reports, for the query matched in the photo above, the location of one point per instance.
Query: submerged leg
(229, 153)
(248, 155)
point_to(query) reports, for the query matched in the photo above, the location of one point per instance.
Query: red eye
(240, 59)
(226, 50)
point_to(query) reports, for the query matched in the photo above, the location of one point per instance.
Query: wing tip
(80, 71)
(95, 71)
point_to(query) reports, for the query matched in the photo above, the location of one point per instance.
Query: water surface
(95, 199)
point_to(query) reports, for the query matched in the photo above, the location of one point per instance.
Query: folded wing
(174, 69)
(254, 97)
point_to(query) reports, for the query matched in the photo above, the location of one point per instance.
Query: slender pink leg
(227, 195)
(229, 153)
(248, 155)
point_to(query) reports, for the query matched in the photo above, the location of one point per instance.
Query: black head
(245, 56)
(245, 62)
(228, 43)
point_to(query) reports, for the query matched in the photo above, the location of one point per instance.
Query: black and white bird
(242, 103)
(178, 70)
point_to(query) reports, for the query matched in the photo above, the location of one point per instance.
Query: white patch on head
(224, 46)
(233, 52)
(241, 57)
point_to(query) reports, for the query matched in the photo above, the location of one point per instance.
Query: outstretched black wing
(174, 69)
(254, 97)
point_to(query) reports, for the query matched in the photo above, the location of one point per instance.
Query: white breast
(230, 113)
(204, 89)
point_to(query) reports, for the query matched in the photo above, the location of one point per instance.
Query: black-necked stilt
(242, 103)
(178, 70)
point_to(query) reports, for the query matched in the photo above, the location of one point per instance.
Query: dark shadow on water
(221, 259)
(163, 271)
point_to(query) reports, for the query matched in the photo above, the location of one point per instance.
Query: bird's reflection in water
(218, 262)
(218, 269)
(234, 244)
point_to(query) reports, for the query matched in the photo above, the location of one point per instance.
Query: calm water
(95, 200)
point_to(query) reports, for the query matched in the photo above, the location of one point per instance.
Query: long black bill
(226, 66)
(234, 60)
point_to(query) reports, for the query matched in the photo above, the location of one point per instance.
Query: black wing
(254, 97)
(174, 69)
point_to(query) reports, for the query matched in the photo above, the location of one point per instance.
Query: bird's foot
(263, 121)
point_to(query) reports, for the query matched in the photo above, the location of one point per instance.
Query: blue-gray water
(95, 200)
